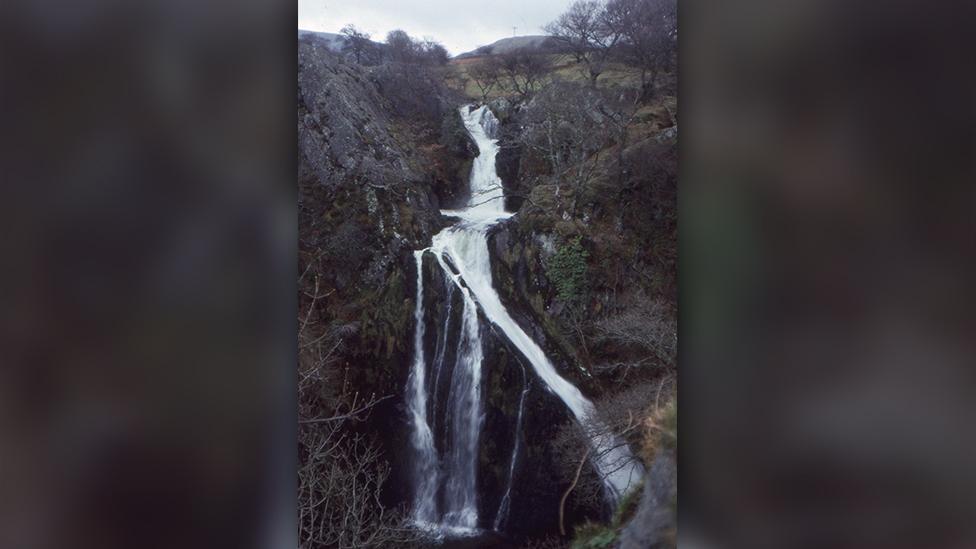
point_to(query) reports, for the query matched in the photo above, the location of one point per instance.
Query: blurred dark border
(148, 324)
(827, 259)
(826, 274)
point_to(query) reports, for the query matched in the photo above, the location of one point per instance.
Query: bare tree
(524, 71)
(648, 34)
(536, 69)
(620, 112)
(578, 323)
(581, 31)
(572, 485)
(432, 52)
(509, 65)
(406, 50)
(624, 418)
(565, 127)
(401, 47)
(486, 76)
(357, 42)
(648, 329)
(340, 473)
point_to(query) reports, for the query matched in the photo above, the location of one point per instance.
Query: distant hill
(505, 45)
(331, 40)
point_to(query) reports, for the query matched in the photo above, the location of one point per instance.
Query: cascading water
(464, 403)
(425, 463)
(462, 252)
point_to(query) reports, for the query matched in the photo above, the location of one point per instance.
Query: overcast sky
(461, 25)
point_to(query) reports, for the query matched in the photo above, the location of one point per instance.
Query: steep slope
(372, 172)
(590, 259)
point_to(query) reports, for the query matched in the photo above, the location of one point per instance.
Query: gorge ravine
(444, 480)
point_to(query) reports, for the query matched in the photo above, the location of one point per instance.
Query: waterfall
(464, 403)
(462, 252)
(422, 439)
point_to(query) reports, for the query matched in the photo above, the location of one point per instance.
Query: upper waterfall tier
(487, 197)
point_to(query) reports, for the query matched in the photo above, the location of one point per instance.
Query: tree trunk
(651, 86)
(643, 92)
(593, 76)
(621, 146)
(562, 502)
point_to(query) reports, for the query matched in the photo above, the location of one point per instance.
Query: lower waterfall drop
(464, 403)
(425, 459)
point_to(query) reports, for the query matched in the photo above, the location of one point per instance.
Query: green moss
(566, 269)
(385, 317)
(592, 535)
(627, 507)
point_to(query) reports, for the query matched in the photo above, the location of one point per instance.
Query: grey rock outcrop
(368, 180)
(653, 524)
(344, 129)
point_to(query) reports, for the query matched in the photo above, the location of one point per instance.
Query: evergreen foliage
(566, 269)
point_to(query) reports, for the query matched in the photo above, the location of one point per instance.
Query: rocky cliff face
(654, 522)
(370, 182)
(624, 218)
(372, 175)
(535, 484)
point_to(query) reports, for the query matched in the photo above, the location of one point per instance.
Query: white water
(464, 405)
(464, 246)
(425, 464)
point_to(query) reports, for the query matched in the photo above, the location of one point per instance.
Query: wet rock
(502, 108)
(546, 243)
(508, 162)
(518, 273)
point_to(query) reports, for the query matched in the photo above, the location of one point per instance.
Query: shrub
(414, 91)
(661, 430)
(566, 269)
(647, 329)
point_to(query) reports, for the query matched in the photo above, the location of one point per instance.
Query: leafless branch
(572, 485)
(349, 415)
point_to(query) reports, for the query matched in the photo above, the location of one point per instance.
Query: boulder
(654, 523)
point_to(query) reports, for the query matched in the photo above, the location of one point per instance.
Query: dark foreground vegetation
(589, 162)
